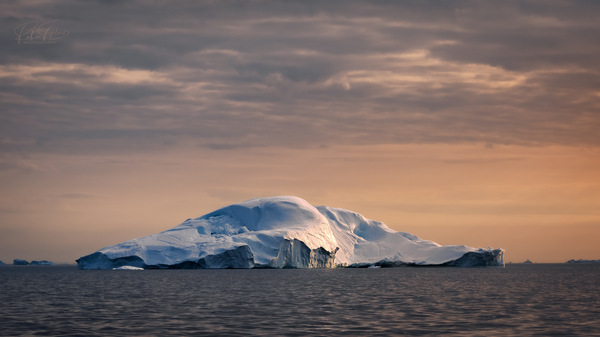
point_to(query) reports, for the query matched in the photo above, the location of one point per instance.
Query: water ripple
(517, 300)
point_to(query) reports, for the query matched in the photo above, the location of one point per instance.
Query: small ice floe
(128, 268)
(374, 266)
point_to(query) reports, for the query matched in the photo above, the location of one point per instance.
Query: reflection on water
(517, 300)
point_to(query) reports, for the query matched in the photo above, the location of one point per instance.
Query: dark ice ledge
(293, 254)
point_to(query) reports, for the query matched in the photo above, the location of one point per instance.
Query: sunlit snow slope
(283, 232)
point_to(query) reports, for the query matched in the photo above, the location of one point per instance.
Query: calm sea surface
(519, 300)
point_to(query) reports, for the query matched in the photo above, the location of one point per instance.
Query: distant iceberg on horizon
(21, 262)
(40, 263)
(284, 232)
(583, 261)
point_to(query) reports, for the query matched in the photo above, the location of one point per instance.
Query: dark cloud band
(238, 74)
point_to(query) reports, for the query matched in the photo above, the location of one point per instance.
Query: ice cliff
(284, 232)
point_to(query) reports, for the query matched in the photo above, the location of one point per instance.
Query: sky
(463, 122)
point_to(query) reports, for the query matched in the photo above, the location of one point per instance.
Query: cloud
(133, 76)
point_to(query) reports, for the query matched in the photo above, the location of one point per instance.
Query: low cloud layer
(133, 76)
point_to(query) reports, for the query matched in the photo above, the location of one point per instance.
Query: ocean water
(519, 300)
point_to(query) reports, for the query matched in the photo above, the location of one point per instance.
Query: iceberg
(40, 263)
(20, 262)
(582, 261)
(284, 232)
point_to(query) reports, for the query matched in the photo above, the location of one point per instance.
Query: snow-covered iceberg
(284, 232)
